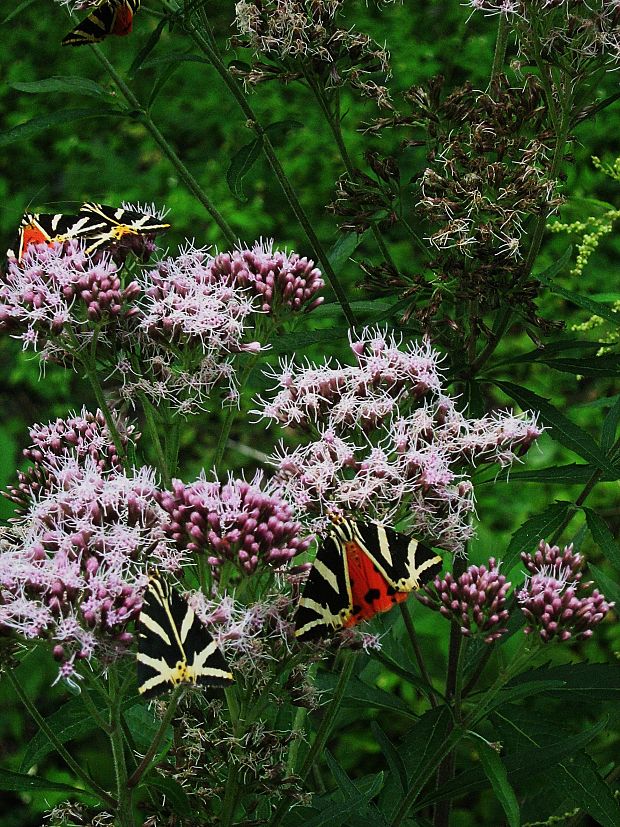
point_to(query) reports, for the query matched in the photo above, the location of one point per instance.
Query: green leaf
(148, 47)
(496, 772)
(603, 537)
(610, 426)
(362, 694)
(68, 84)
(342, 250)
(609, 587)
(62, 116)
(606, 365)
(421, 742)
(392, 756)
(292, 342)
(593, 681)
(573, 474)
(69, 722)
(550, 349)
(19, 782)
(173, 57)
(173, 792)
(563, 429)
(240, 164)
(582, 784)
(522, 690)
(537, 528)
(596, 308)
(18, 9)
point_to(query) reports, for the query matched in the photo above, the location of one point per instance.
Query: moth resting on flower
(174, 646)
(360, 569)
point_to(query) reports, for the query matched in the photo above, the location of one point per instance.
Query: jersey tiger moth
(360, 569)
(174, 647)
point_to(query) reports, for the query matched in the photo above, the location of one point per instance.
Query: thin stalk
(231, 412)
(324, 731)
(94, 712)
(333, 122)
(145, 764)
(124, 814)
(153, 433)
(267, 147)
(231, 793)
(184, 174)
(501, 44)
(53, 739)
(413, 637)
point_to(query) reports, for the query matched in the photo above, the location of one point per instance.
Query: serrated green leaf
(420, 743)
(603, 537)
(496, 772)
(342, 250)
(607, 364)
(62, 116)
(596, 308)
(609, 587)
(173, 792)
(360, 693)
(596, 681)
(583, 785)
(20, 782)
(610, 426)
(292, 342)
(510, 694)
(70, 84)
(392, 756)
(557, 266)
(69, 722)
(563, 429)
(240, 164)
(573, 474)
(537, 528)
(173, 57)
(148, 47)
(551, 349)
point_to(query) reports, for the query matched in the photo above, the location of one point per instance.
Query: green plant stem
(445, 772)
(53, 739)
(153, 433)
(333, 122)
(184, 174)
(324, 731)
(413, 637)
(144, 765)
(124, 815)
(267, 147)
(501, 44)
(94, 712)
(232, 411)
(231, 793)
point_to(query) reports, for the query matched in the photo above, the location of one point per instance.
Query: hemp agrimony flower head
(79, 436)
(290, 38)
(476, 600)
(277, 279)
(77, 572)
(386, 440)
(575, 34)
(488, 167)
(248, 523)
(554, 601)
(58, 291)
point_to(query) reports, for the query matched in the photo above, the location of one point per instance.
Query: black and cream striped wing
(110, 224)
(405, 563)
(326, 599)
(174, 647)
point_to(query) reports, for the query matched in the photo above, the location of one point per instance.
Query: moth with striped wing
(360, 569)
(174, 647)
(109, 17)
(101, 226)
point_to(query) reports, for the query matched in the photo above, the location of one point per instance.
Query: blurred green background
(112, 160)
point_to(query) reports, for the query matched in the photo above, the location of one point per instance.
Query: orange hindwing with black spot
(360, 569)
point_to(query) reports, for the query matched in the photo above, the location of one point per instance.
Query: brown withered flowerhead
(486, 172)
(302, 40)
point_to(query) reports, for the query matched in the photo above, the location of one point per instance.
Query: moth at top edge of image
(360, 569)
(109, 17)
(174, 646)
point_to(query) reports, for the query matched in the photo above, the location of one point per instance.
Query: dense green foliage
(64, 158)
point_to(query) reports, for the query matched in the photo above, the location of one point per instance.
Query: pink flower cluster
(276, 278)
(58, 287)
(246, 522)
(80, 436)
(386, 439)
(76, 568)
(476, 600)
(553, 599)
